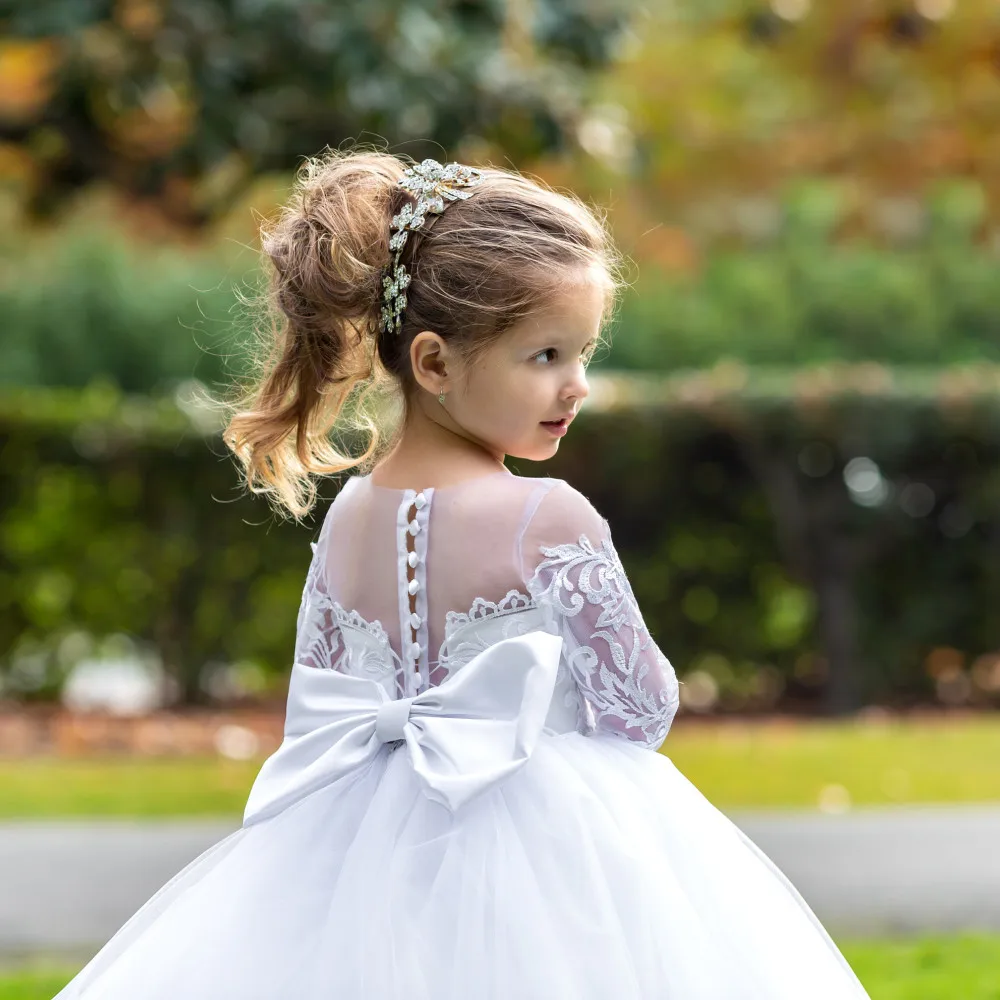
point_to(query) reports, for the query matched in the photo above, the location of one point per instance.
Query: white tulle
(597, 872)
(583, 867)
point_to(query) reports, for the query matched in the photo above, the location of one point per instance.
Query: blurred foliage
(714, 107)
(692, 112)
(803, 296)
(184, 102)
(836, 541)
(101, 531)
(688, 115)
(799, 182)
(86, 300)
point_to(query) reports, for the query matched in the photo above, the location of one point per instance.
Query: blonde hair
(477, 269)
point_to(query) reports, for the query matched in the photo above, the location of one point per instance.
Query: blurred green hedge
(802, 303)
(87, 302)
(818, 539)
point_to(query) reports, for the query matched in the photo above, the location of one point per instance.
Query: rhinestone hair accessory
(431, 184)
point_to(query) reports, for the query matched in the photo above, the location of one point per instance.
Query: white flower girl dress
(492, 822)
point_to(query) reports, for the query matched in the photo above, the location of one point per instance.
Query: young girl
(468, 803)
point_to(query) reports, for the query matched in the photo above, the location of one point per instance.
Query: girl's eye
(586, 356)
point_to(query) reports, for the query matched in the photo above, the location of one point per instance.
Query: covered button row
(414, 525)
(414, 585)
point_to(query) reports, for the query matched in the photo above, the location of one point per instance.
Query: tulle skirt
(596, 872)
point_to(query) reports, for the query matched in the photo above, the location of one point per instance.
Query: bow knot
(390, 719)
(462, 737)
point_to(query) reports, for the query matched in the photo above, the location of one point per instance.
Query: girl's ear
(432, 361)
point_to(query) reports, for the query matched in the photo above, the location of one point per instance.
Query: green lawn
(736, 765)
(33, 983)
(790, 764)
(179, 786)
(962, 966)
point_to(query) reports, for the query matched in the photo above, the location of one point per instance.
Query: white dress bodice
(406, 586)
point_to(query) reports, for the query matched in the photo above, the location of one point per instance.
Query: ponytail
(324, 257)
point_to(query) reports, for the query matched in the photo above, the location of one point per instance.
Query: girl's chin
(533, 452)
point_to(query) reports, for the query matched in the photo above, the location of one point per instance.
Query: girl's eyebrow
(560, 337)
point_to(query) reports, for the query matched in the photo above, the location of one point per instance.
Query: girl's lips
(557, 427)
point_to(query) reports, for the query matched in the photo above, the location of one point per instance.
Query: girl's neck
(429, 450)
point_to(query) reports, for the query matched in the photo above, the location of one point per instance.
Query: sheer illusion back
(406, 586)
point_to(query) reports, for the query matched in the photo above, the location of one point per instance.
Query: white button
(420, 501)
(413, 559)
(414, 650)
(415, 620)
(414, 527)
(413, 586)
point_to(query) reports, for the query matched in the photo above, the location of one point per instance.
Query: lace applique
(512, 601)
(317, 639)
(454, 654)
(353, 619)
(320, 637)
(372, 660)
(629, 684)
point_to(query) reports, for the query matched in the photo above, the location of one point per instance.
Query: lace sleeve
(629, 686)
(317, 635)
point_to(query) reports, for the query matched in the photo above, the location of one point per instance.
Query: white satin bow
(473, 730)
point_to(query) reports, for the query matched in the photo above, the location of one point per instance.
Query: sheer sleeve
(317, 634)
(573, 572)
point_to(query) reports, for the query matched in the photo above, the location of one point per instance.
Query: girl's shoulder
(489, 483)
(491, 495)
(555, 493)
(559, 507)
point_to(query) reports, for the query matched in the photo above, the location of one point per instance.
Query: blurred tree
(183, 102)
(716, 111)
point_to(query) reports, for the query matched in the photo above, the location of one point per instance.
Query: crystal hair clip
(431, 184)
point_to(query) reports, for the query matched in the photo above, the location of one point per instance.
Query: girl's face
(534, 376)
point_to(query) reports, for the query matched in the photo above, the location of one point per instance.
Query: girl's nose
(578, 388)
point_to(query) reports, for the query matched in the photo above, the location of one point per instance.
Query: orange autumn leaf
(27, 76)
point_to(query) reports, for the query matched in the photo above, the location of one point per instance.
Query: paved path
(68, 886)
(898, 870)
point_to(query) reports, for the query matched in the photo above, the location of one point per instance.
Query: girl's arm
(317, 635)
(573, 572)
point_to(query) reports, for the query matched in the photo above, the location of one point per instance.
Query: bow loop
(462, 737)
